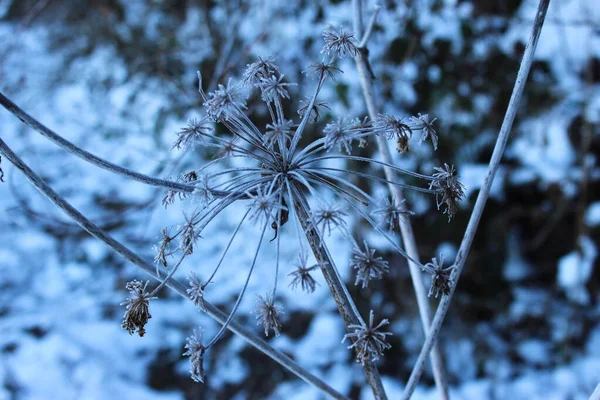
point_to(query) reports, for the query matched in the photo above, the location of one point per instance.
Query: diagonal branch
(408, 237)
(465, 246)
(181, 289)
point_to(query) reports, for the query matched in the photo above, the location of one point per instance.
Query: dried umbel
(368, 340)
(192, 134)
(302, 275)
(367, 266)
(393, 128)
(441, 278)
(196, 291)
(163, 249)
(195, 351)
(137, 311)
(340, 44)
(315, 109)
(268, 314)
(448, 190)
(391, 212)
(329, 217)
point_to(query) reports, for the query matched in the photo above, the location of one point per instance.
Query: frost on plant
(301, 274)
(137, 311)
(367, 266)
(369, 341)
(390, 212)
(196, 291)
(268, 314)
(340, 44)
(448, 190)
(441, 278)
(195, 351)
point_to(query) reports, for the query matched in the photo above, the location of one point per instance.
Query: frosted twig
(369, 31)
(596, 394)
(180, 288)
(408, 237)
(482, 197)
(86, 156)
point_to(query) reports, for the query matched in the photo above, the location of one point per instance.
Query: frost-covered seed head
(367, 266)
(302, 275)
(449, 191)
(424, 124)
(163, 248)
(442, 278)
(339, 134)
(262, 69)
(196, 291)
(368, 341)
(273, 88)
(137, 311)
(263, 203)
(268, 314)
(202, 192)
(393, 128)
(189, 236)
(340, 44)
(223, 101)
(192, 134)
(278, 131)
(322, 70)
(195, 351)
(329, 217)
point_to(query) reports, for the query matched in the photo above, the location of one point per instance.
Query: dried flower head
(268, 314)
(137, 308)
(442, 278)
(302, 276)
(424, 124)
(368, 341)
(274, 89)
(189, 236)
(339, 134)
(192, 134)
(195, 351)
(315, 111)
(340, 44)
(279, 131)
(328, 217)
(390, 212)
(367, 266)
(196, 291)
(262, 69)
(448, 190)
(203, 193)
(224, 101)
(263, 203)
(322, 70)
(163, 249)
(393, 128)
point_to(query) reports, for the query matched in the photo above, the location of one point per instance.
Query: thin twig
(408, 237)
(337, 287)
(369, 31)
(483, 195)
(119, 248)
(86, 156)
(596, 394)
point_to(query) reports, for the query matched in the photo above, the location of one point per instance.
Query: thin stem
(465, 245)
(369, 31)
(337, 287)
(88, 157)
(596, 394)
(180, 288)
(406, 231)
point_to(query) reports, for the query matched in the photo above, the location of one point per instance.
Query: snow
(575, 269)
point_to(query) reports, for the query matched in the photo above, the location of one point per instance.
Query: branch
(88, 157)
(337, 287)
(116, 246)
(483, 195)
(408, 237)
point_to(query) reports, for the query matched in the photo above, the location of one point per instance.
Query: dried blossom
(263, 203)
(273, 88)
(189, 236)
(137, 311)
(368, 341)
(195, 351)
(367, 265)
(322, 70)
(262, 69)
(329, 217)
(279, 130)
(223, 101)
(302, 276)
(203, 193)
(163, 248)
(169, 198)
(393, 128)
(340, 133)
(268, 314)
(442, 278)
(196, 291)
(340, 44)
(391, 212)
(315, 112)
(424, 124)
(192, 133)
(448, 190)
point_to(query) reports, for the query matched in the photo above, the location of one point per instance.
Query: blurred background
(118, 78)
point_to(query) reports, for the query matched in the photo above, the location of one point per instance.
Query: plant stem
(86, 156)
(408, 237)
(337, 287)
(482, 196)
(119, 248)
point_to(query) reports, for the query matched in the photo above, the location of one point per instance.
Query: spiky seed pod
(137, 311)
(368, 341)
(367, 266)
(340, 44)
(223, 101)
(273, 88)
(192, 134)
(262, 69)
(329, 217)
(442, 279)
(393, 128)
(196, 291)
(195, 351)
(322, 70)
(449, 191)
(268, 314)
(302, 276)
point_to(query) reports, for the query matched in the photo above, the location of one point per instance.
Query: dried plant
(369, 341)
(137, 311)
